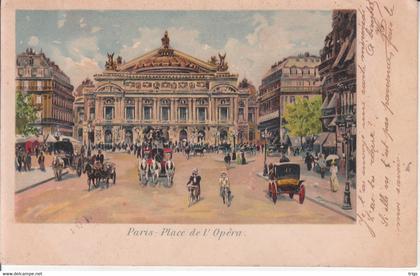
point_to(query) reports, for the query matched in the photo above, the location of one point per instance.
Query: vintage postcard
(157, 134)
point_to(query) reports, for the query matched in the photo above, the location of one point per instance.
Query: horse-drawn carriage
(66, 157)
(156, 163)
(286, 181)
(98, 172)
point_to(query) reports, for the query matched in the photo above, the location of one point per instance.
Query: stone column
(136, 111)
(140, 110)
(210, 111)
(216, 111)
(98, 111)
(175, 110)
(173, 118)
(190, 110)
(232, 110)
(116, 109)
(194, 119)
(155, 110)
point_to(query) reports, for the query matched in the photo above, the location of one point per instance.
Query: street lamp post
(265, 135)
(90, 134)
(346, 125)
(234, 140)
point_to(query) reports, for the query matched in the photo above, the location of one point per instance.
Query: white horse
(155, 170)
(170, 171)
(58, 166)
(143, 171)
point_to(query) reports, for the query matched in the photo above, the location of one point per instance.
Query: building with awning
(338, 74)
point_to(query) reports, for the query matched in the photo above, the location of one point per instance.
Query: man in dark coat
(227, 160)
(100, 157)
(308, 160)
(41, 161)
(195, 181)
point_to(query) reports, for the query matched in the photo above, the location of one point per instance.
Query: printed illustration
(185, 117)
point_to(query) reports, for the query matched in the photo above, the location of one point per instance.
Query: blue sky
(253, 40)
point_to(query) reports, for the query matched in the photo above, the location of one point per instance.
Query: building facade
(292, 77)
(50, 89)
(252, 108)
(187, 98)
(338, 73)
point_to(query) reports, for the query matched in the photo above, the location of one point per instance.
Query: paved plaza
(128, 201)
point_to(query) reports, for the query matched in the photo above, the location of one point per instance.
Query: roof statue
(165, 40)
(222, 66)
(110, 64)
(165, 50)
(119, 60)
(213, 60)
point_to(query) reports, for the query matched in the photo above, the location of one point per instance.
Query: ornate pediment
(110, 88)
(224, 88)
(167, 59)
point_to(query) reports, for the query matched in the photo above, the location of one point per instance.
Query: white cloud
(33, 41)
(95, 29)
(77, 69)
(84, 46)
(185, 40)
(60, 23)
(270, 40)
(82, 58)
(56, 42)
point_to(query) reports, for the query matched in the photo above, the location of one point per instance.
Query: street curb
(337, 210)
(317, 201)
(38, 183)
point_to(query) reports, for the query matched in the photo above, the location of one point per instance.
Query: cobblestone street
(69, 201)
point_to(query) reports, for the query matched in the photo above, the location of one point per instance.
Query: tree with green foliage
(25, 115)
(303, 117)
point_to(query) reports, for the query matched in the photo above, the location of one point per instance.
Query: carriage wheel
(114, 178)
(291, 195)
(302, 194)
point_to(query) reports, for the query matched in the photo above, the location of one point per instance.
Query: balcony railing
(301, 89)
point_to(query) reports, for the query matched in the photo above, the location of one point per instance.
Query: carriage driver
(195, 180)
(100, 157)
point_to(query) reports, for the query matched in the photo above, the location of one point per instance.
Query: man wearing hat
(224, 183)
(195, 181)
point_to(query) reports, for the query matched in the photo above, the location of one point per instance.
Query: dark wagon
(286, 181)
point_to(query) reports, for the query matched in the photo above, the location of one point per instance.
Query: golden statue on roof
(165, 40)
